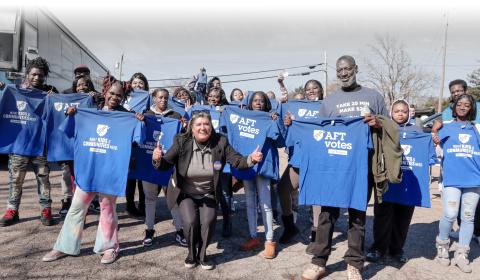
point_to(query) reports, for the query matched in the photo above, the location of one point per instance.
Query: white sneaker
(454, 234)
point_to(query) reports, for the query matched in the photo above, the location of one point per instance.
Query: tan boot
(353, 273)
(269, 252)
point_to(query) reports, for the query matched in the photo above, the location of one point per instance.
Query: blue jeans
(258, 190)
(454, 198)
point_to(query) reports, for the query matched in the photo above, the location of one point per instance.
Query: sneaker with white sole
(207, 264)
(190, 262)
(148, 240)
(180, 238)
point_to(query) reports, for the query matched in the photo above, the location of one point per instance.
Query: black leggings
(199, 217)
(130, 193)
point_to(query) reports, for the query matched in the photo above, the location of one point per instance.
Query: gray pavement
(23, 245)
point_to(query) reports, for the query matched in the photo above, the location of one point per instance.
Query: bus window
(8, 20)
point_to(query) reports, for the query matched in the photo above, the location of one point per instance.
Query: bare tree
(474, 80)
(391, 72)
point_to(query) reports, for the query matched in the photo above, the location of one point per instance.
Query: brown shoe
(313, 272)
(269, 252)
(251, 244)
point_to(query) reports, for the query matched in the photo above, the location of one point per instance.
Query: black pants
(130, 193)
(322, 246)
(391, 222)
(226, 199)
(199, 217)
(287, 185)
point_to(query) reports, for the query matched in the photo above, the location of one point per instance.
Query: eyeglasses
(200, 111)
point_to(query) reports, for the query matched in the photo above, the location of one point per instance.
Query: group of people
(204, 147)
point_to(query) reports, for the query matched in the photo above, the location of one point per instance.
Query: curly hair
(39, 63)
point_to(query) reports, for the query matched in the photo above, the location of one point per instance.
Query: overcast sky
(176, 39)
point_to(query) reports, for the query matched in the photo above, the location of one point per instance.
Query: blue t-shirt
(21, 125)
(245, 130)
(102, 145)
(334, 171)
(157, 128)
(214, 112)
(137, 101)
(59, 146)
(300, 110)
(176, 105)
(418, 154)
(461, 154)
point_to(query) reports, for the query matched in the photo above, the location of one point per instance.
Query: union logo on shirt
(157, 135)
(58, 106)
(102, 129)
(234, 118)
(318, 134)
(302, 112)
(464, 138)
(406, 149)
(21, 105)
(215, 123)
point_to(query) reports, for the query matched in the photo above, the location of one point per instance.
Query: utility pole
(442, 79)
(121, 66)
(326, 71)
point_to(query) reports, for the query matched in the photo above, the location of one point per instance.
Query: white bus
(26, 33)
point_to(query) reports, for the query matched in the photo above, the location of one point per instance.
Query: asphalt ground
(23, 245)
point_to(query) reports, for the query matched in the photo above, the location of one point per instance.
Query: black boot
(130, 196)
(290, 230)
(313, 234)
(227, 226)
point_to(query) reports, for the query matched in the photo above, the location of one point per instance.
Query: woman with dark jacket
(199, 156)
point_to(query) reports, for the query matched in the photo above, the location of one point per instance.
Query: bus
(26, 33)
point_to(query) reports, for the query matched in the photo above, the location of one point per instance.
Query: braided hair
(110, 80)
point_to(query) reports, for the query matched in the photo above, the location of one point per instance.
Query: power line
(262, 78)
(271, 70)
(270, 77)
(310, 66)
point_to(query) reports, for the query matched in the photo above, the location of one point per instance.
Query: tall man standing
(36, 72)
(348, 101)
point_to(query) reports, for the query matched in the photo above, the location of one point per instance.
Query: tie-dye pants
(70, 236)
